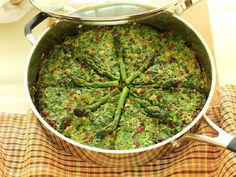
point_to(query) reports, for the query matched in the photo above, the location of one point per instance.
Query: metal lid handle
(184, 5)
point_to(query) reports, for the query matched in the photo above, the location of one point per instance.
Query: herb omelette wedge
(120, 87)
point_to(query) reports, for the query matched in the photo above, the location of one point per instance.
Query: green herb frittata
(120, 87)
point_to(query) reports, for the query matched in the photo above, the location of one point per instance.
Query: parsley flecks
(120, 87)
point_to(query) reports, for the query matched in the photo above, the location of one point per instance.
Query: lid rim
(131, 17)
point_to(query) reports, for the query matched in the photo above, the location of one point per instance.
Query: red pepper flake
(149, 72)
(186, 71)
(68, 107)
(126, 33)
(184, 121)
(172, 125)
(55, 69)
(140, 130)
(142, 91)
(170, 107)
(139, 110)
(52, 123)
(97, 37)
(171, 59)
(66, 122)
(45, 113)
(180, 113)
(144, 46)
(141, 120)
(170, 46)
(68, 45)
(98, 92)
(98, 29)
(39, 94)
(160, 36)
(159, 97)
(84, 65)
(195, 114)
(176, 89)
(179, 81)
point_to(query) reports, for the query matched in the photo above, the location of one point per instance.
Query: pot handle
(223, 139)
(32, 24)
(181, 6)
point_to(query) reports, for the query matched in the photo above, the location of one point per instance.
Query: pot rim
(138, 150)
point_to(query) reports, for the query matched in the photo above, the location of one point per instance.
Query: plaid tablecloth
(25, 150)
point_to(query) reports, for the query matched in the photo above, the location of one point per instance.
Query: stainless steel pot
(164, 21)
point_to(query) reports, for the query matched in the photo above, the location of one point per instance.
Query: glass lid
(102, 10)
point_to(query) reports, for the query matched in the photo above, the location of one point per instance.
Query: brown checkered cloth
(25, 150)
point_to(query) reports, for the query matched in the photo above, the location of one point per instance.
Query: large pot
(163, 21)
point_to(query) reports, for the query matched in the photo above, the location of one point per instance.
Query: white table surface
(14, 49)
(223, 21)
